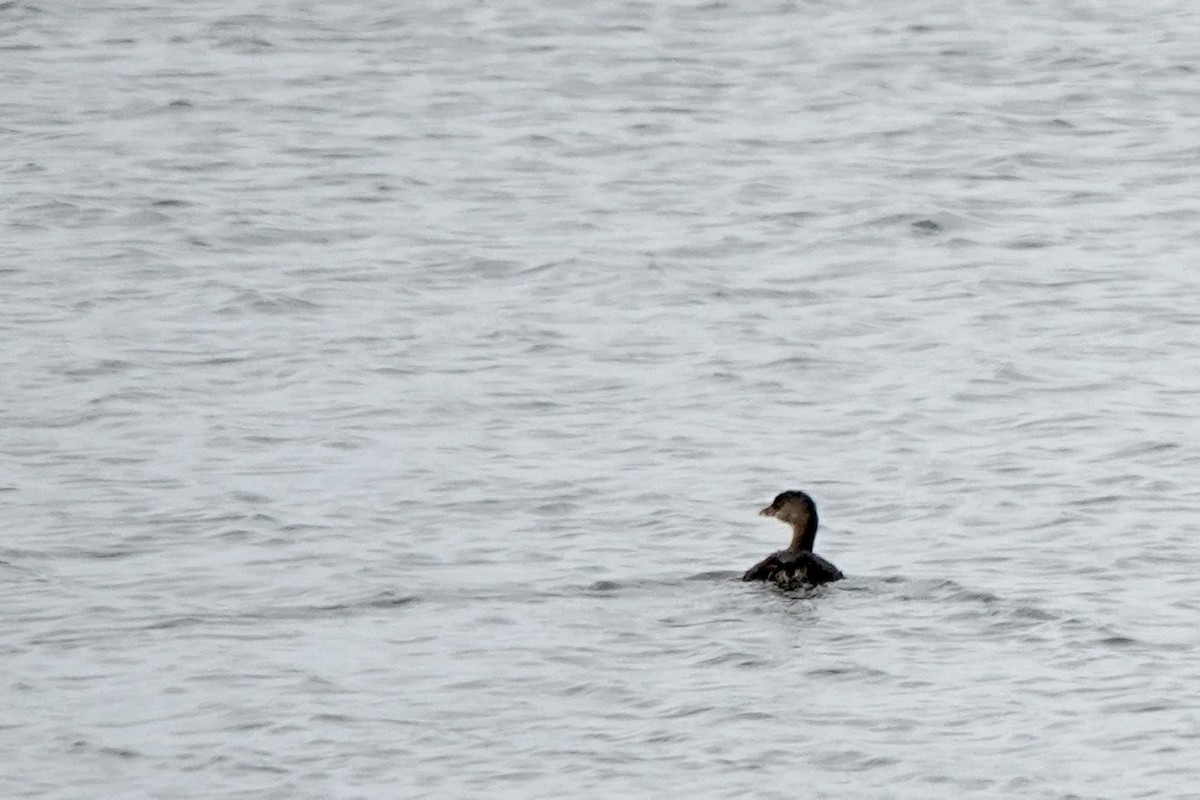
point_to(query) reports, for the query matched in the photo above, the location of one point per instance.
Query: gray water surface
(388, 391)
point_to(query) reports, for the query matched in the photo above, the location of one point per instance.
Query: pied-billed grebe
(798, 565)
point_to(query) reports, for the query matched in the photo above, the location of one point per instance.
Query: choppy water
(388, 392)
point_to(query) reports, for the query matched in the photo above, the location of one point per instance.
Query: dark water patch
(99, 368)
(666, 586)
(891, 220)
(1118, 641)
(383, 601)
(1034, 614)
(786, 292)
(686, 711)
(853, 672)
(170, 623)
(715, 576)
(853, 761)
(1142, 708)
(794, 362)
(389, 600)
(1144, 448)
(1110, 500)
(267, 303)
(934, 589)
(120, 752)
(108, 555)
(738, 660)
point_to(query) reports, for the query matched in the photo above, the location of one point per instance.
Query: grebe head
(791, 507)
(798, 510)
